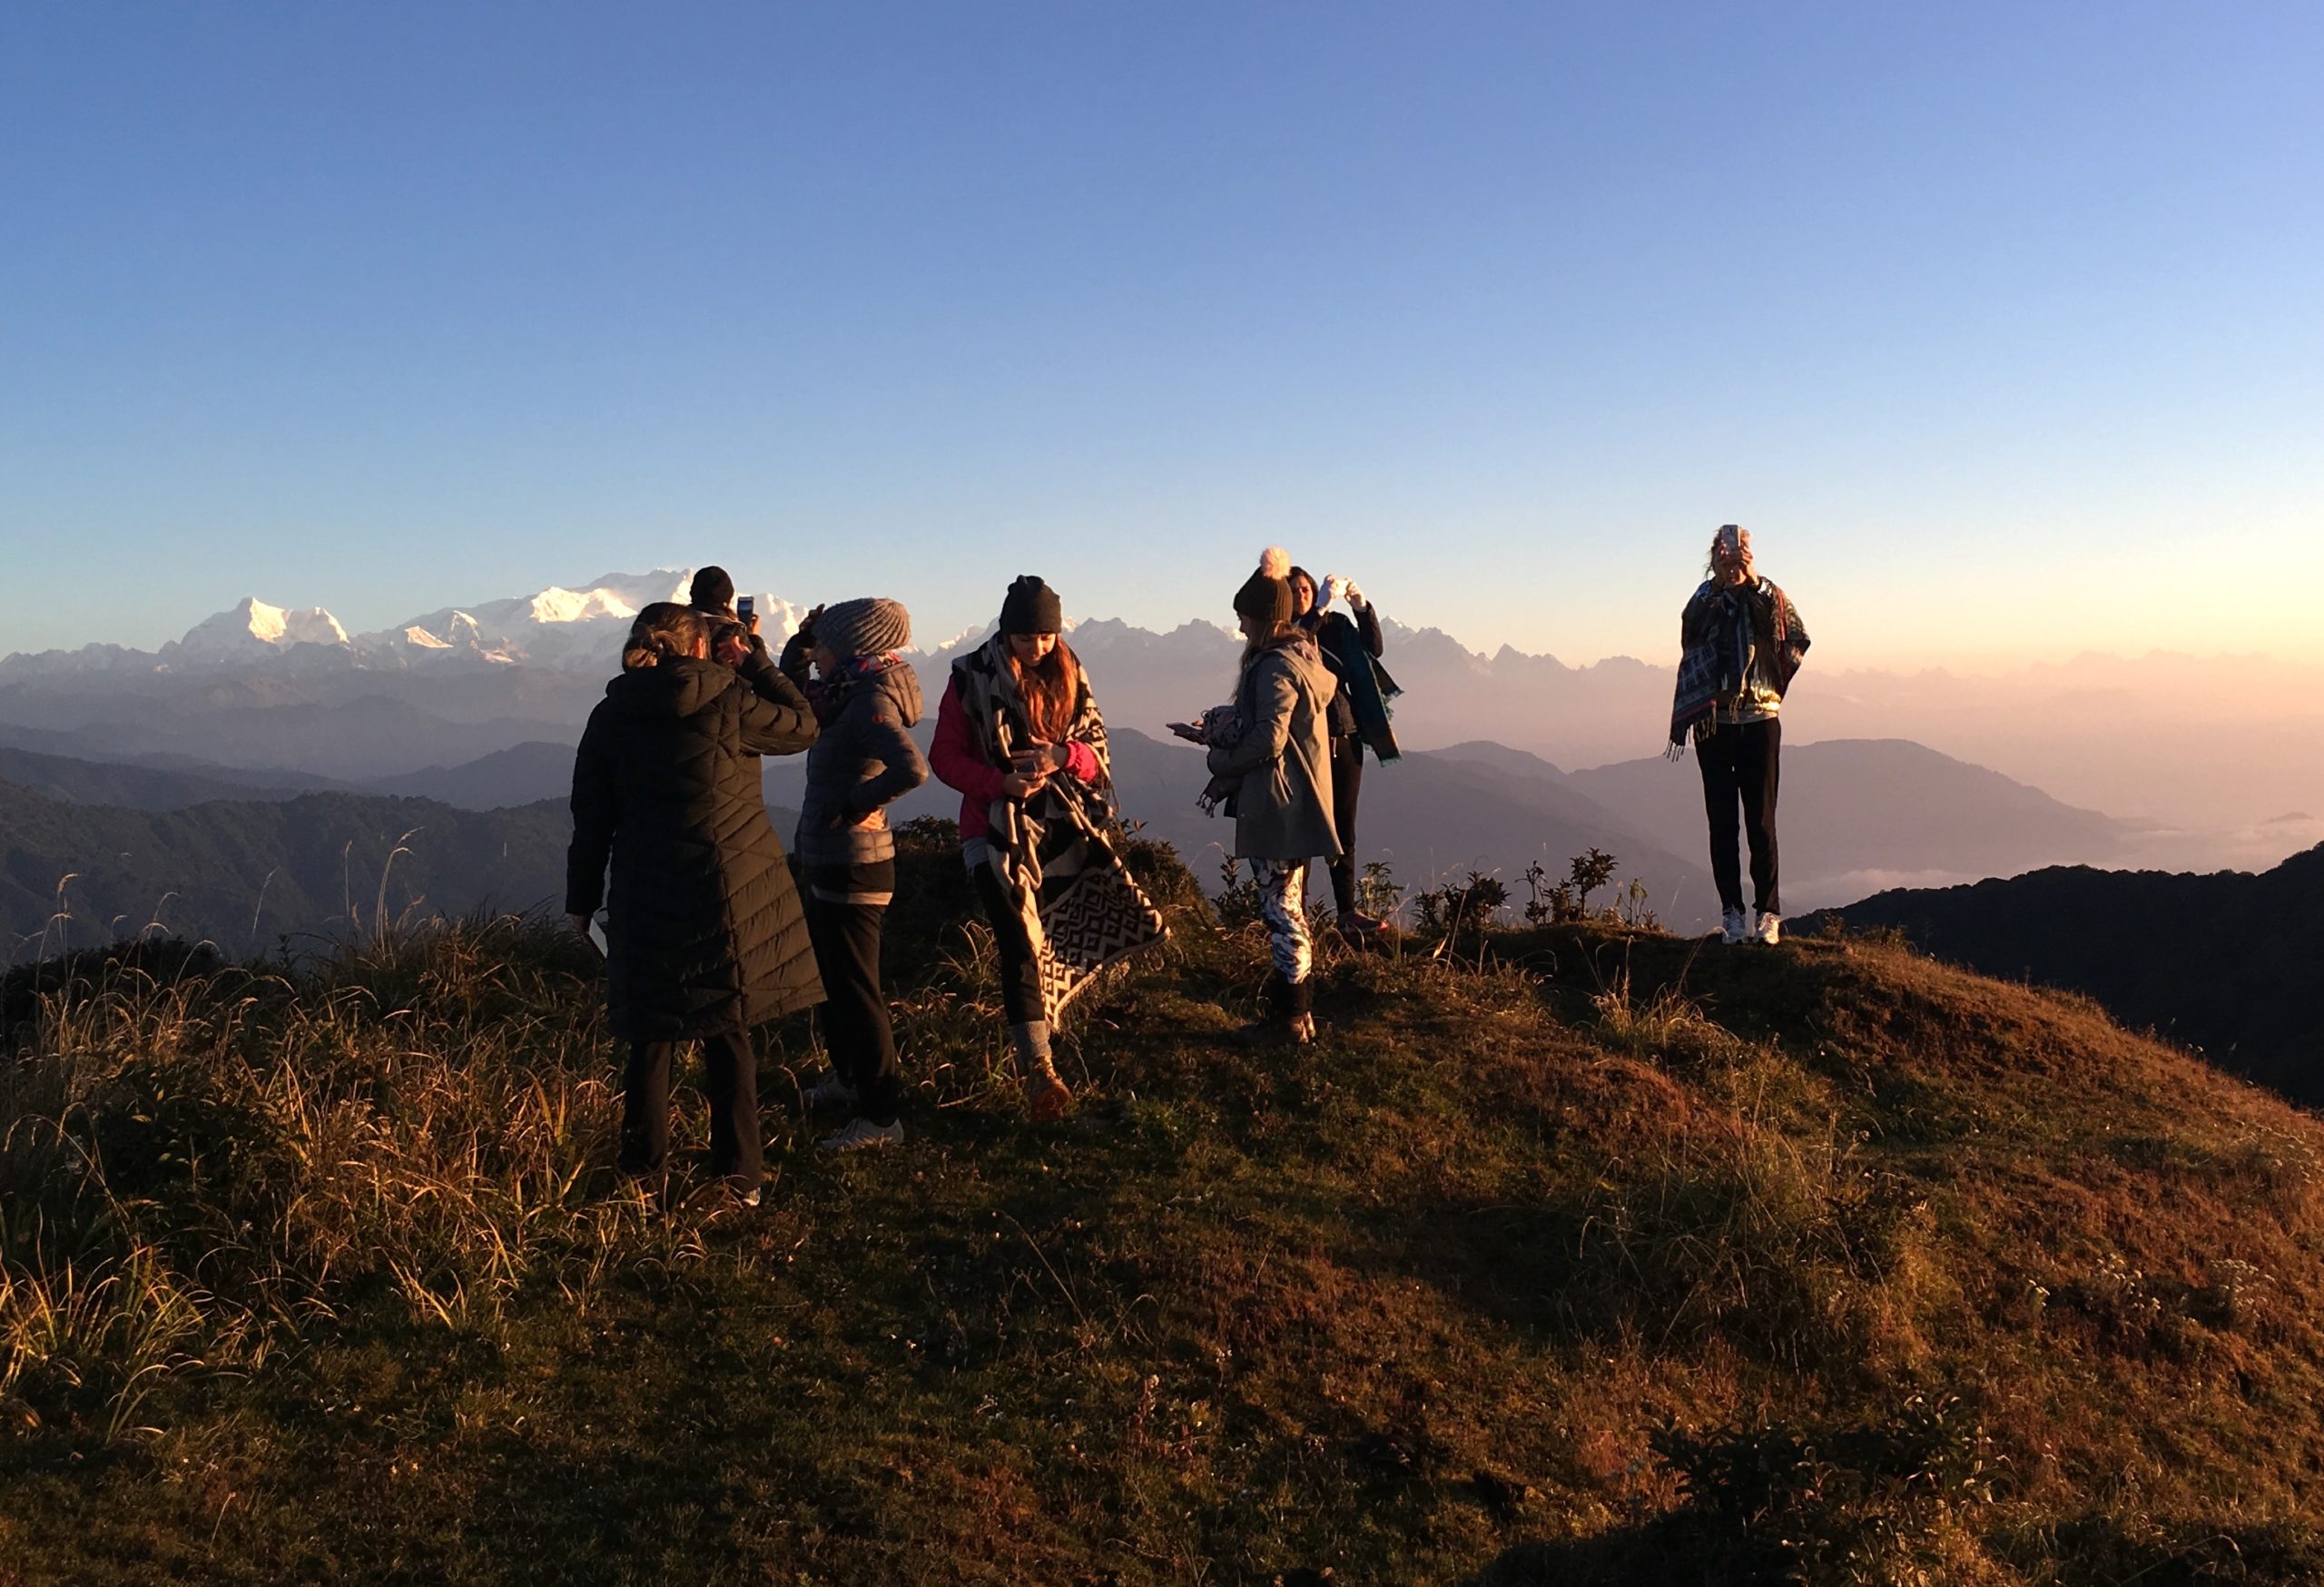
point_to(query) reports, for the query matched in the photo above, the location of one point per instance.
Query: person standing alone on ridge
(1351, 647)
(1740, 643)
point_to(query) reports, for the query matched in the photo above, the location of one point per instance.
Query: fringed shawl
(1055, 855)
(1733, 637)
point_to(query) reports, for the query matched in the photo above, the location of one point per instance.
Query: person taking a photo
(704, 938)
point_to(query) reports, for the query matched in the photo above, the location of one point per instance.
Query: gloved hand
(1355, 596)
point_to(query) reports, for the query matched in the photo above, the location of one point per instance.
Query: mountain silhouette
(162, 782)
(2224, 962)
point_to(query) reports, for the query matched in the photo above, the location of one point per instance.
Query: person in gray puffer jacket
(1271, 760)
(866, 698)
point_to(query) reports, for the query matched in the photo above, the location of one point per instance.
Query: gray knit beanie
(869, 627)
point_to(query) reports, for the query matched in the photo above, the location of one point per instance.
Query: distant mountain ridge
(555, 626)
(243, 872)
(2224, 962)
(2245, 785)
(1432, 817)
(278, 691)
(126, 786)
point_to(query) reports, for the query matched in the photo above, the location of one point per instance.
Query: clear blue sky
(2003, 327)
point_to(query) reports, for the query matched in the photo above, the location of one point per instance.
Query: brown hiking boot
(1047, 1098)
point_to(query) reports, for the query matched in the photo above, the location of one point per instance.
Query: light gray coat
(1283, 755)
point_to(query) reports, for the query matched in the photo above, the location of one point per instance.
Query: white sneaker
(861, 1133)
(1769, 929)
(1730, 926)
(831, 1091)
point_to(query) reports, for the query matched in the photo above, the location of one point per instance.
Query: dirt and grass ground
(1569, 1254)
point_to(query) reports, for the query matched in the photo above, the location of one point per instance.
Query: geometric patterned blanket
(1055, 853)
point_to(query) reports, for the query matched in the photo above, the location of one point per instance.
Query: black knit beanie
(1031, 606)
(711, 591)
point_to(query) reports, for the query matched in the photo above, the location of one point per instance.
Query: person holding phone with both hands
(1020, 735)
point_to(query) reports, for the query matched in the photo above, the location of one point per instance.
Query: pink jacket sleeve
(953, 754)
(1081, 762)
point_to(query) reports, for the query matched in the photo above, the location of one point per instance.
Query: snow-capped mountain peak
(252, 625)
(566, 628)
(555, 604)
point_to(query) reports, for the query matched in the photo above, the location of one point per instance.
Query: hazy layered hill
(526, 773)
(1855, 815)
(340, 737)
(2244, 784)
(2225, 962)
(279, 691)
(142, 785)
(243, 872)
(523, 773)
(1430, 818)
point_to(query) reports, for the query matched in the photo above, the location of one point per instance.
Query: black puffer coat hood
(704, 924)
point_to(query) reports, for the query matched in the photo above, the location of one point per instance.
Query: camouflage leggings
(1282, 905)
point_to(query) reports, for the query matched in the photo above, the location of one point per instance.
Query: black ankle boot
(1282, 1024)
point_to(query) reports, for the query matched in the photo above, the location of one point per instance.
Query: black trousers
(1020, 975)
(856, 1027)
(1739, 762)
(1347, 782)
(730, 1080)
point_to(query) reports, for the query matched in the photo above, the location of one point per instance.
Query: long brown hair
(663, 630)
(1288, 628)
(1050, 686)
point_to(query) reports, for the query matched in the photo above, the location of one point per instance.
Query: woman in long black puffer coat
(706, 939)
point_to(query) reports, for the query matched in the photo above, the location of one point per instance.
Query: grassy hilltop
(1577, 1254)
